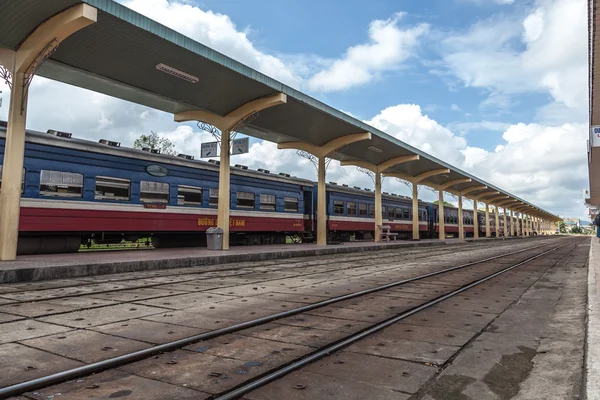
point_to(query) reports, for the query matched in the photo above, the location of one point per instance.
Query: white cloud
(514, 54)
(455, 107)
(407, 123)
(464, 128)
(389, 46)
(216, 31)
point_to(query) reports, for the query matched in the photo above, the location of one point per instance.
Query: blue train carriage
(351, 213)
(77, 191)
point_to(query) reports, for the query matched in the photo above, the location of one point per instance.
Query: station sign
(240, 146)
(595, 135)
(209, 149)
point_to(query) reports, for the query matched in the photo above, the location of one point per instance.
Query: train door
(308, 210)
(431, 217)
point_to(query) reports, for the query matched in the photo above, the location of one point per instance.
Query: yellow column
(23, 64)
(475, 220)
(441, 222)
(10, 195)
(513, 224)
(487, 220)
(224, 189)
(521, 226)
(322, 205)
(461, 230)
(415, 211)
(505, 223)
(378, 216)
(497, 214)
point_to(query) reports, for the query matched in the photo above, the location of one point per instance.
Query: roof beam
(453, 183)
(379, 168)
(472, 189)
(327, 148)
(420, 177)
(233, 118)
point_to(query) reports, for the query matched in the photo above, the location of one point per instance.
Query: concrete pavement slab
(148, 331)
(86, 346)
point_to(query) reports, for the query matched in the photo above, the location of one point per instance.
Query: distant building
(570, 223)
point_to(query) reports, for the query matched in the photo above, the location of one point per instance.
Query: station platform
(63, 266)
(592, 384)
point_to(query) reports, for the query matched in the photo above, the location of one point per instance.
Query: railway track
(380, 259)
(458, 278)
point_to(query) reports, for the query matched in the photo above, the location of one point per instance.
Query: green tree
(445, 203)
(154, 141)
(576, 229)
(561, 227)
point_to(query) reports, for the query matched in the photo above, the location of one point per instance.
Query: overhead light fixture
(177, 73)
(375, 149)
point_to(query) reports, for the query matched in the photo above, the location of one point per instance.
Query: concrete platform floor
(88, 263)
(526, 321)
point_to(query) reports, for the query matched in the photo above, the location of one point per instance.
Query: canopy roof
(118, 56)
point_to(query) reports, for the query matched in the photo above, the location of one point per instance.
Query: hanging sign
(240, 146)
(209, 149)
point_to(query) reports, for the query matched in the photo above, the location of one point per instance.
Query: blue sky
(494, 87)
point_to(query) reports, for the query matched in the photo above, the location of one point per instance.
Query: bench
(384, 231)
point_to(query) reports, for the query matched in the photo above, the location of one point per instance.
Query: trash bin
(214, 238)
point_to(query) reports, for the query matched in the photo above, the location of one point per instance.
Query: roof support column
(487, 220)
(377, 171)
(512, 224)
(441, 189)
(21, 65)
(461, 229)
(505, 223)
(497, 217)
(322, 204)
(415, 211)
(378, 207)
(441, 222)
(475, 220)
(474, 198)
(415, 180)
(227, 124)
(322, 152)
(522, 227)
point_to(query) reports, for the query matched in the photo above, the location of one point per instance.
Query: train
(77, 192)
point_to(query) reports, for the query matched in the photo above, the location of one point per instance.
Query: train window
(154, 192)
(371, 211)
(189, 195)
(22, 179)
(351, 208)
(405, 213)
(338, 207)
(383, 214)
(213, 197)
(267, 202)
(362, 209)
(63, 184)
(398, 213)
(422, 216)
(290, 204)
(245, 199)
(390, 213)
(109, 188)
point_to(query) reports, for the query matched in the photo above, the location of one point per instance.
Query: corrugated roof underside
(18, 19)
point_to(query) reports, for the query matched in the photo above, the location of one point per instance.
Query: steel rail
(327, 350)
(20, 388)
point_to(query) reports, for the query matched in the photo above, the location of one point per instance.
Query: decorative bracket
(6, 75)
(42, 56)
